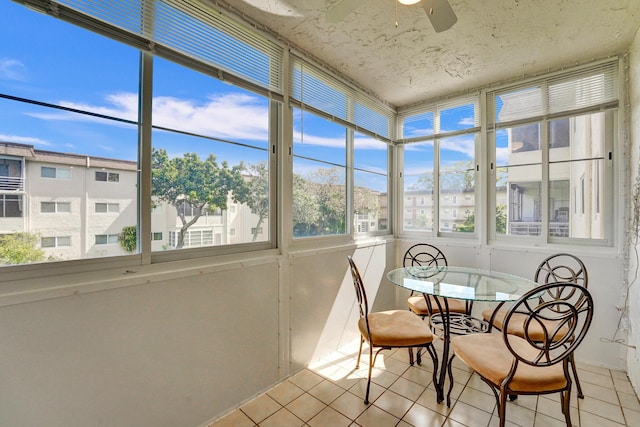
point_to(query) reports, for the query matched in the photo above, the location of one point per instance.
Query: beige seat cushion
(516, 325)
(418, 305)
(488, 355)
(396, 328)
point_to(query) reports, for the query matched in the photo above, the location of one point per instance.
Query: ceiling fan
(440, 13)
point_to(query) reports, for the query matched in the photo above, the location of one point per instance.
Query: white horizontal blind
(584, 89)
(186, 27)
(317, 90)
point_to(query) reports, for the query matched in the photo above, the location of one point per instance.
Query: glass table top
(461, 282)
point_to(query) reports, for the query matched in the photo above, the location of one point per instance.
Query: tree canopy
(201, 184)
(20, 248)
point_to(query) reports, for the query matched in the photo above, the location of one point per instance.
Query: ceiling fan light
(408, 2)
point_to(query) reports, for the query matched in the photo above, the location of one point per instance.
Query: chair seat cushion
(488, 355)
(535, 329)
(418, 305)
(395, 328)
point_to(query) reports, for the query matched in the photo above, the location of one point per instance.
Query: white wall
(178, 344)
(633, 355)
(169, 349)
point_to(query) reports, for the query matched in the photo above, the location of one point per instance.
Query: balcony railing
(556, 229)
(11, 183)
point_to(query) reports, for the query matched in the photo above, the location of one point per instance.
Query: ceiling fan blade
(341, 9)
(440, 14)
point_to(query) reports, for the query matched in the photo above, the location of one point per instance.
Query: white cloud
(24, 140)
(467, 121)
(12, 69)
(226, 116)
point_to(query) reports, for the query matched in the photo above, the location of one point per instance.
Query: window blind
(179, 29)
(315, 89)
(584, 89)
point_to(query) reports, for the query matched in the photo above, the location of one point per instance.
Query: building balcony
(556, 229)
(11, 183)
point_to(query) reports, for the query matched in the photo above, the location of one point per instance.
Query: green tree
(458, 176)
(501, 219)
(257, 189)
(20, 248)
(199, 184)
(468, 226)
(128, 238)
(306, 208)
(319, 202)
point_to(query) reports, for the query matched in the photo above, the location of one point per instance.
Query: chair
(426, 255)
(532, 363)
(388, 329)
(561, 267)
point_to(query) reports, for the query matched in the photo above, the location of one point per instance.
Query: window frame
(544, 116)
(436, 136)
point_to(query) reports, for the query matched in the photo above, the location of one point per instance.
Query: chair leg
(410, 355)
(366, 396)
(359, 352)
(565, 399)
(502, 407)
(575, 377)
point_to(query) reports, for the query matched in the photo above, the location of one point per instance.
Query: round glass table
(463, 283)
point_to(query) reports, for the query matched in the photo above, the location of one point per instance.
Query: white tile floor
(330, 393)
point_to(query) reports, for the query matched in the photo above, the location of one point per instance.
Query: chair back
(361, 295)
(562, 267)
(425, 255)
(564, 320)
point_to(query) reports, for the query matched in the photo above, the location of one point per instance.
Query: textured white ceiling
(493, 40)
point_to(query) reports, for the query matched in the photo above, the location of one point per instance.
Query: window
(440, 164)
(77, 122)
(106, 239)
(319, 176)
(55, 242)
(334, 122)
(370, 190)
(51, 207)
(10, 207)
(211, 161)
(107, 176)
(55, 173)
(107, 207)
(156, 236)
(192, 238)
(553, 158)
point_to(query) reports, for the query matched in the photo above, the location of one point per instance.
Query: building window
(55, 242)
(55, 173)
(106, 239)
(107, 176)
(156, 236)
(51, 207)
(10, 206)
(107, 207)
(256, 230)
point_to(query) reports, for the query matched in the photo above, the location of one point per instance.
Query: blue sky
(50, 61)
